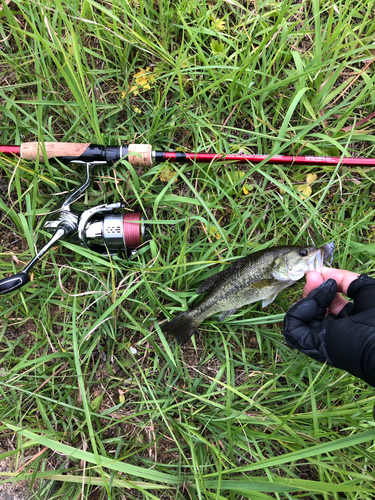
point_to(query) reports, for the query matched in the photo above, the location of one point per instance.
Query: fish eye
(303, 252)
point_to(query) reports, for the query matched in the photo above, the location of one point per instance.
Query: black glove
(345, 341)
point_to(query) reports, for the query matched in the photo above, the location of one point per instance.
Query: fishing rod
(107, 229)
(144, 155)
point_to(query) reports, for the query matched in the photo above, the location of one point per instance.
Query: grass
(236, 414)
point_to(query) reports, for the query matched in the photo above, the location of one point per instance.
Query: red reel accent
(132, 229)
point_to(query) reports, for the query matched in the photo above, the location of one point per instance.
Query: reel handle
(13, 282)
(66, 227)
(16, 281)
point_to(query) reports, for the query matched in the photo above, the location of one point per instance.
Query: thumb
(313, 280)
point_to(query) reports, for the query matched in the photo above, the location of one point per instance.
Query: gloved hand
(345, 338)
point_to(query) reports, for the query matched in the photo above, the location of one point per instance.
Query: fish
(258, 276)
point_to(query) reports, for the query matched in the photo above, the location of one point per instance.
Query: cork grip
(145, 150)
(30, 150)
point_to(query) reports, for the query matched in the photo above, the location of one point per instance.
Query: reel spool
(111, 232)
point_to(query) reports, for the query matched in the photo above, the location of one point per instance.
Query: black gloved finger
(362, 290)
(311, 308)
(303, 322)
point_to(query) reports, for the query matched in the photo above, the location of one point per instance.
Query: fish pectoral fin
(226, 314)
(269, 299)
(280, 286)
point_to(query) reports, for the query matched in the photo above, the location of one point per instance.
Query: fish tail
(182, 327)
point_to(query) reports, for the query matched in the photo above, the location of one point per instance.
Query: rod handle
(136, 154)
(31, 150)
(143, 156)
(13, 282)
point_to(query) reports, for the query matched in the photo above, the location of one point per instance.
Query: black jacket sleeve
(346, 341)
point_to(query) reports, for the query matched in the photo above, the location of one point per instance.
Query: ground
(12, 491)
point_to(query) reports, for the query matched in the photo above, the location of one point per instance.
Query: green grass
(236, 414)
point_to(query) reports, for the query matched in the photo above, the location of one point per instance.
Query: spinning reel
(105, 229)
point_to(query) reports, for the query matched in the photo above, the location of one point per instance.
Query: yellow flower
(310, 178)
(141, 81)
(167, 175)
(305, 189)
(218, 24)
(212, 231)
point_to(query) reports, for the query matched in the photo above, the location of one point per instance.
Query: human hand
(328, 328)
(343, 280)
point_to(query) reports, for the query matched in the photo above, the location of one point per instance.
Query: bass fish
(258, 276)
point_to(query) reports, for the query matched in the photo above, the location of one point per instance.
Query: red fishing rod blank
(249, 158)
(10, 150)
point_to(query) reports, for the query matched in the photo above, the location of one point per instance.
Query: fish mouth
(328, 249)
(318, 261)
(324, 255)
